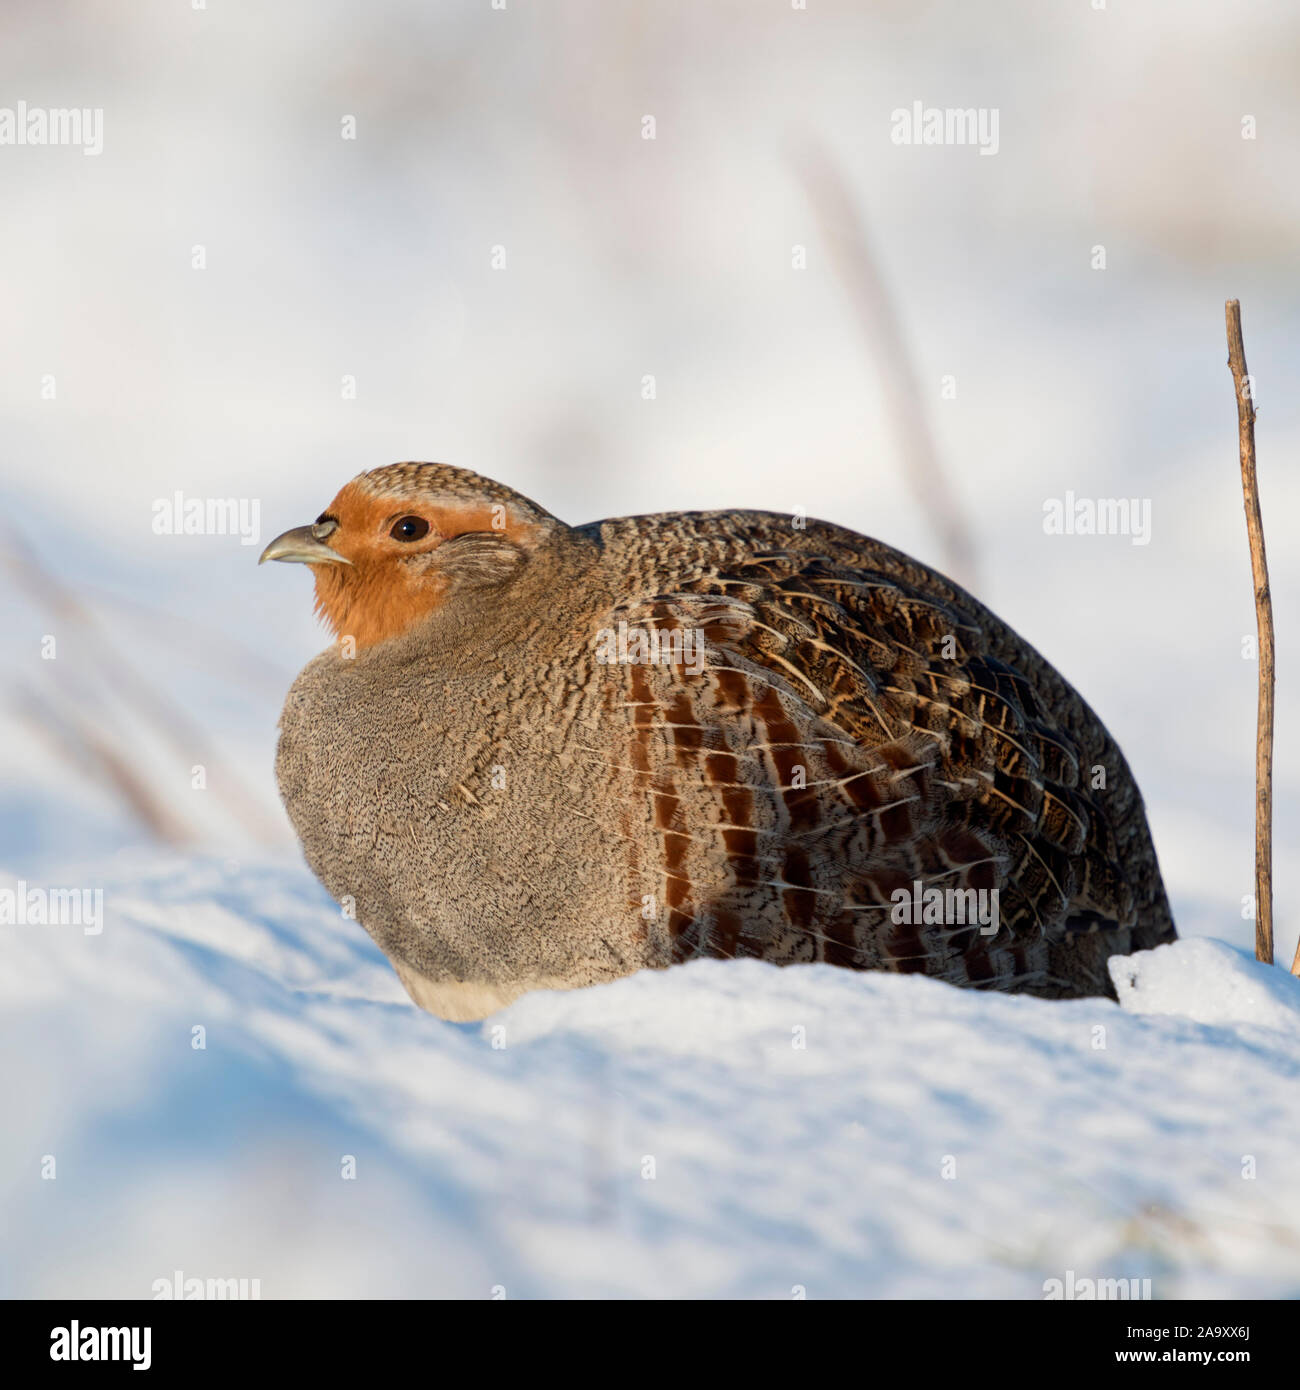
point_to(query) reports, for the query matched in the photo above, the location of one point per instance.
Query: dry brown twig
(1264, 624)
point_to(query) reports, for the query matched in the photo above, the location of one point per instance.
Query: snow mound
(719, 1129)
(1210, 982)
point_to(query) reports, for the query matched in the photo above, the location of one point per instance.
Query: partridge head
(394, 543)
(542, 756)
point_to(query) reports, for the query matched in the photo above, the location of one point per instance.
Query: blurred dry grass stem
(845, 233)
(83, 731)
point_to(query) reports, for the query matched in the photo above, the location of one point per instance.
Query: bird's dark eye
(409, 528)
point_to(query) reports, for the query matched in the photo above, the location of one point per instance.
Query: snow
(1206, 981)
(720, 1129)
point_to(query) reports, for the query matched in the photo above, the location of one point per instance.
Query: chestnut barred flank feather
(508, 810)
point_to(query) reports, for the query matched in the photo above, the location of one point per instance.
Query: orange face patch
(385, 589)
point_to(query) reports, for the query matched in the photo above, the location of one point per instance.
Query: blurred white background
(522, 128)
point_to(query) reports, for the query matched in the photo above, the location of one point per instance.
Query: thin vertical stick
(1264, 622)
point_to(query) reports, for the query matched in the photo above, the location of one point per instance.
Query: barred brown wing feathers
(846, 735)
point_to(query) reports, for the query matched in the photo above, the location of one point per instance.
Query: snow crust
(723, 1128)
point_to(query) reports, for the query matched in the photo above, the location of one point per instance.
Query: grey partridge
(544, 756)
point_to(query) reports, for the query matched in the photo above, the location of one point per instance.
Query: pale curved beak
(303, 546)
